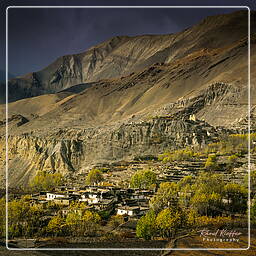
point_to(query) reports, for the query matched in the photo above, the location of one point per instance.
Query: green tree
(2, 217)
(168, 221)
(206, 203)
(24, 219)
(82, 224)
(146, 226)
(191, 218)
(17, 218)
(143, 179)
(253, 180)
(208, 183)
(208, 192)
(57, 226)
(187, 180)
(237, 197)
(232, 161)
(178, 155)
(166, 196)
(185, 191)
(94, 177)
(211, 162)
(46, 181)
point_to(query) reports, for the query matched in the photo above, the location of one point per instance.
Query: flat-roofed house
(128, 210)
(132, 211)
(62, 201)
(52, 196)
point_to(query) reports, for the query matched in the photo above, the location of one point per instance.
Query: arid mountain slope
(154, 91)
(123, 55)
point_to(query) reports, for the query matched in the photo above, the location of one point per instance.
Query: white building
(52, 196)
(128, 210)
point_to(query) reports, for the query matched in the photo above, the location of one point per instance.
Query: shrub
(211, 163)
(94, 177)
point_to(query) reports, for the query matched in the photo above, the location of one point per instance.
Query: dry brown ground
(187, 242)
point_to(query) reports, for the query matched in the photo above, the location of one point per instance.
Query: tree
(168, 221)
(191, 218)
(56, 226)
(166, 195)
(17, 217)
(218, 221)
(143, 179)
(208, 192)
(253, 180)
(206, 203)
(209, 183)
(253, 212)
(2, 217)
(232, 161)
(237, 197)
(146, 226)
(94, 176)
(24, 219)
(178, 155)
(187, 180)
(82, 224)
(211, 162)
(46, 181)
(185, 191)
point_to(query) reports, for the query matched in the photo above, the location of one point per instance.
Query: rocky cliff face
(74, 151)
(218, 104)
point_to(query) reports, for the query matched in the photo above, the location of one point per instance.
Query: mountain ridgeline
(131, 96)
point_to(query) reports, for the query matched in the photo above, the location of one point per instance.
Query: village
(109, 199)
(133, 203)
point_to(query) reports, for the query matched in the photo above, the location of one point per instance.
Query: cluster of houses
(129, 202)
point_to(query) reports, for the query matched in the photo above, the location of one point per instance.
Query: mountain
(120, 56)
(131, 96)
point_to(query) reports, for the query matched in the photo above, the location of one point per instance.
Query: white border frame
(133, 249)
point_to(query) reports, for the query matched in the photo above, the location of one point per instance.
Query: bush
(115, 221)
(94, 177)
(211, 163)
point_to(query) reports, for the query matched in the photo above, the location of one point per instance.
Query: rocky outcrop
(219, 104)
(71, 152)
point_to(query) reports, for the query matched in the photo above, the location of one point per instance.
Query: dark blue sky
(38, 36)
